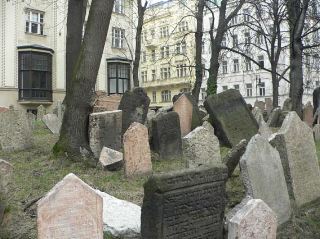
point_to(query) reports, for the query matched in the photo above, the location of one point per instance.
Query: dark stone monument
(232, 120)
(166, 135)
(134, 105)
(186, 204)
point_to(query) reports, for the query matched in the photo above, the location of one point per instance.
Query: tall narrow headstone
(52, 122)
(297, 149)
(253, 220)
(72, 209)
(308, 114)
(136, 151)
(263, 176)
(184, 204)
(232, 120)
(41, 111)
(269, 105)
(105, 131)
(316, 132)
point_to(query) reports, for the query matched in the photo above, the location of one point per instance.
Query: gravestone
(134, 105)
(6, 170)
(263, 176)
(253, 220)
(41, 111)
(184, 204)
(31, 119)
(316, 132)
(316, 103)
(231, 160)
(269, 105)
(188, 112)
(15, 131)
(72, 209)
(52, 122)
(231, 118)
(308, 114)
(201, 147)
(136, 151)
(297, 149)
(166, 136)
(260, 105)
(111, 159)
(105, 131)
(104, 102)
(264, 130)
(274, 118)
(59, 110)
(287, 105)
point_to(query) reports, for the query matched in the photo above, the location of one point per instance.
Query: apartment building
(33, 46)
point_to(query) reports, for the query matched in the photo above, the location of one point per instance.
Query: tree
(74, 130)
(136, 63)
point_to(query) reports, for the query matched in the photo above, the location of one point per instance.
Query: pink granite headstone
(184, 108)
(308, 113)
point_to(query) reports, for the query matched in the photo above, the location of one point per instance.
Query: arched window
(166, 96)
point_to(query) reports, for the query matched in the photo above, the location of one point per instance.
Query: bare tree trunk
(275, 86)
(74, 130)
(214, 70)
(198, 43)
(136, 63)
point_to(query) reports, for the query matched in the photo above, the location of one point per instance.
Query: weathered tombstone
(136, 151)
(273, 120)
(105, 131)
(184, 204)
(52, 122)
(15, 131)
(6, 170)
(72, 209)
(41, 111)
(134, 105)
(60, 110)
(316, 103)
(231, 118)
(264, 130)
(111, 159)
(105, 102)
(32, 119)
(269, 105)
(188, 112)
(308, 114)
(253, 220)
(287, 105)
(166, 136)
(297, 149)
(260, 104)
(316, 132)
(263, 176)
(231, 160)
(201, 147)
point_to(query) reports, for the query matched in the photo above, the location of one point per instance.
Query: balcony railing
(35, 94)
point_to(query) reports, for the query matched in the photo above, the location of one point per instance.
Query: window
(184, 90)
(203, 47)
(154, 96)
(224, 41)
(181, 70)
(144, 36)
(165, 73)
(118, 6)
(259, 39)
(35, 75)
(246, 15)
(235, 65)
(235, 40)
(34, 22)
(183, 26)
(153, 75)
(153, 55)
(236, 87)
(262, 89)
(118, 37)
(203, 93)
(144, 56)
(224, 88)
(261, 61)
(164, 31)
(153, 33)
(166, 96)
(249, 89)
(118, 78)
(224, 67)
(234, 20)
(247, 39)
(165, 52)
(144, 75)
(181, 48)
(247, 63)
(203, 70)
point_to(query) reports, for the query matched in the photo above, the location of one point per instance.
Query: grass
(36, 171)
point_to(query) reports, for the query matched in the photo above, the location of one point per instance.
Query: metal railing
(35, 94)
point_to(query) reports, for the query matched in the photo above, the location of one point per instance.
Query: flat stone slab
(110, 159)
(263, 176)
(254, 220)
(72, 209)
(105, 131)
(201, 147)
(184, 204)
(52, 122)
(297, 149)
(231, 118)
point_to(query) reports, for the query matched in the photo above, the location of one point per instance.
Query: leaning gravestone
(231, 118)
(253, 220)
(72, 209)
(274, 118)
(111, 159)
(308, 114)
(297, 149)
(105, 131)
(52, 122)
(41, 111)
(15, 131)
(316, 132)
(6, 170)
(134, 105)
(166, 136)
(201, 147)
(264, 130)
(263, 176)
(136, 151)
(184, 204)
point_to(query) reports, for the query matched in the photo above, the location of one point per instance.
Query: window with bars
(235, 42)
(34, 22)
(247, 38)
(247, 63)
(153, 75)
(166, 96)
(118, 37)
(262, 89)
(118, 77)
(261, 61)
(154, 96)
(246, 15)
(153, 55)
